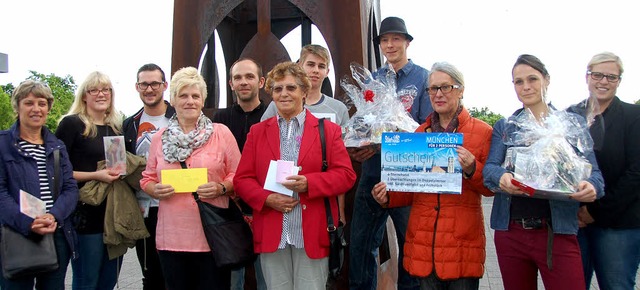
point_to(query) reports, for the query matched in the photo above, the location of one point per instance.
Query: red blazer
(262, 146)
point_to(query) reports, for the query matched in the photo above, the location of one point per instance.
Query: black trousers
(193, 271)
(152, 278)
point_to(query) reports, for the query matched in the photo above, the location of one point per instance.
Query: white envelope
(270, 182)
(31, 205)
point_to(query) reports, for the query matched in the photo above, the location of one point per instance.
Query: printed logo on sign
(392, 139)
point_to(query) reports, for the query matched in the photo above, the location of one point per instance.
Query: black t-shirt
(239, 123)
(84, 154)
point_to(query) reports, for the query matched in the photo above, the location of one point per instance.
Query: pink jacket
(179, 227)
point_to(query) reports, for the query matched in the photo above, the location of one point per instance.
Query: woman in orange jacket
(445, 241)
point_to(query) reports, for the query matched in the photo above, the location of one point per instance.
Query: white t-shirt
(149, 125)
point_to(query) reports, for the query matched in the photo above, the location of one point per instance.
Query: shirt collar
(300, 118)
(405, 70)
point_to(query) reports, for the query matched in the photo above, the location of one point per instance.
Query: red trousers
(523, 252)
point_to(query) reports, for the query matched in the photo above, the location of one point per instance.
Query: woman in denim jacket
(27, 164)
(534, 234)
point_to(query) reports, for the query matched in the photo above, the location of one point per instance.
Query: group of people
(441, 237)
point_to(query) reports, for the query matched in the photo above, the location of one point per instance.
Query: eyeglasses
(289, 88)
(153, 85)
(596, 76)
(95, 92)
(444, 89)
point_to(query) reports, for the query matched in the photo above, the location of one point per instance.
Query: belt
(535, 224)
(531, 223)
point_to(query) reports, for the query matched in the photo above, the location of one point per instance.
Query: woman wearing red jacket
(445, 242)
(290, 232)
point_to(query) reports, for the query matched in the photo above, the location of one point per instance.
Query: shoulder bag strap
(195, 194)
(56, 173)
(327, 205)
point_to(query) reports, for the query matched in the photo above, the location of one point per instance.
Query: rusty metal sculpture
(254, 28)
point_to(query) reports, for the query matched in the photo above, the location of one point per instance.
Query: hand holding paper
(297, 183)
(271, 183)
(44, 224)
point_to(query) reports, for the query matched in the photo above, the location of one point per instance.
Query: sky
(481, 38)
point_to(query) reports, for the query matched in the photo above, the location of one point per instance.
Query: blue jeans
(47, 281)
(614, 254)
(367, 228)
(237, 277)
(93, 269)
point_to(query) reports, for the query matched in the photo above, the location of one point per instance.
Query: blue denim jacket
(18, 171)
(563, 213)
(409, 76)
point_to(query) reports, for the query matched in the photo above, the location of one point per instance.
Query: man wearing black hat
(369, 217)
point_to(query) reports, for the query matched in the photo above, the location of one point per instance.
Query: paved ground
(130, 276)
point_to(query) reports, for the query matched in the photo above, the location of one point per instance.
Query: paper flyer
(31, 205)
(421, 162)
(115, 154)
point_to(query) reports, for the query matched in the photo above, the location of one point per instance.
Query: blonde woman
(190, 138)
(91, 117)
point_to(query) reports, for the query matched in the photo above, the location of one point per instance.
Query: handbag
(337, 241)
(228, 234)
(34, 254)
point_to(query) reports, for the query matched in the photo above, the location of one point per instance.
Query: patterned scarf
(177, 146)
(452, 127)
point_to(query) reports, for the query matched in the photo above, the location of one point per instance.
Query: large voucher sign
(421, 162)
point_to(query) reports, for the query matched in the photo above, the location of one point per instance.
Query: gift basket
(379, 108)
(548, 156)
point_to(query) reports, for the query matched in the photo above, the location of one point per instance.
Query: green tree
(6, 112)
(638, 102)
(63, 89)
(486, 115)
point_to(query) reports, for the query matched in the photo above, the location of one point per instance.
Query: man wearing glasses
(138, 129)
(369, 218)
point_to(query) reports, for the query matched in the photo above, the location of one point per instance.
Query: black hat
(392, 25)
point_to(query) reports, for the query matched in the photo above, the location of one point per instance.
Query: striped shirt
(38, 153)
(290, 139)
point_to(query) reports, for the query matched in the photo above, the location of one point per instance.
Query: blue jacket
(19, 171)
(564, 214)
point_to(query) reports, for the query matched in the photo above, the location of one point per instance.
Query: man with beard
(138, 129)
(246, 82)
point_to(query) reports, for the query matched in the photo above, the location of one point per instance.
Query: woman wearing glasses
(445, 243)
(290, 230)
(534, 235)
(92, 116)
(610, 240)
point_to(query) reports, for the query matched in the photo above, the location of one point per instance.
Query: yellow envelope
(184, 180)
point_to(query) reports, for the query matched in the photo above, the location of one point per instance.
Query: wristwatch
(224, 188)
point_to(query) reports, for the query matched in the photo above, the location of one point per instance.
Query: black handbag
(32, 255)
(229, 236)
(337, 241)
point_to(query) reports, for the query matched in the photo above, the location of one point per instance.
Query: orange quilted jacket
(446, 231)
